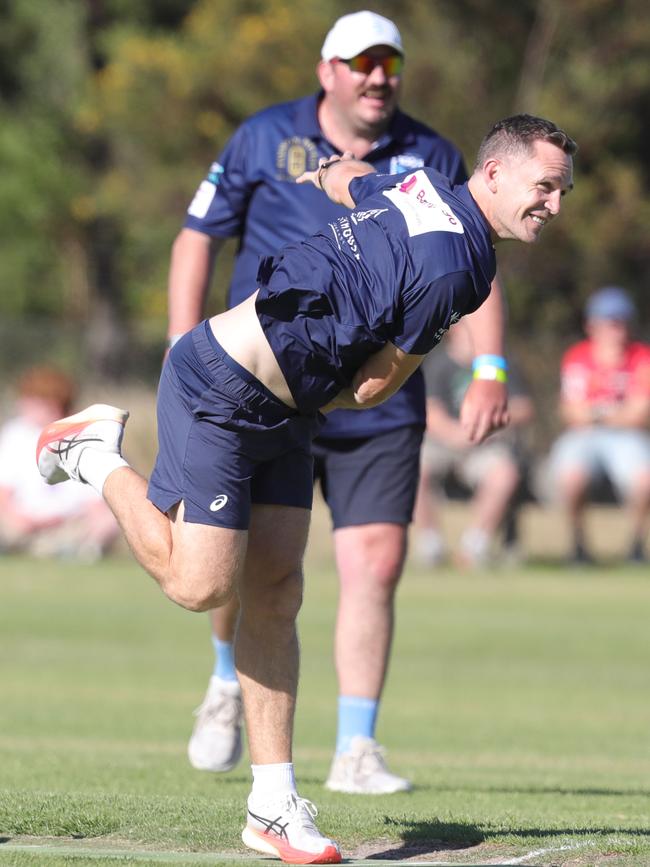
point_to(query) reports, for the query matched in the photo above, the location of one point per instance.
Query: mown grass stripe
(120, 854)
(200, 857)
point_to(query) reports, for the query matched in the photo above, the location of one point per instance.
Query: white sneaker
(284, 826)
(215, 744)
(474, 551)
(61, 443)
(362, 771)
(430, 548)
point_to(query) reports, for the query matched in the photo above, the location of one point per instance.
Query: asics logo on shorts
(218, 502)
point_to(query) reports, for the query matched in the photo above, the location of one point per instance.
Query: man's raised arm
(190, 272)
(333, 177)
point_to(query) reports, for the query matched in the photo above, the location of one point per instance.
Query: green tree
(111, 111)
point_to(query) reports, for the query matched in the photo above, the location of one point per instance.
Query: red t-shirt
(583, 379)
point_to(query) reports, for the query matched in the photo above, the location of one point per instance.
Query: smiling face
(365, 102)
(527, 189)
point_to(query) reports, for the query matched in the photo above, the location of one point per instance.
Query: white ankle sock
(276, 779)
(95, 467)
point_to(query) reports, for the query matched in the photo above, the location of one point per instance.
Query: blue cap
(610, 302)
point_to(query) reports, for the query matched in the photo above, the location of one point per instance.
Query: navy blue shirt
(407, 262)
(251, 193)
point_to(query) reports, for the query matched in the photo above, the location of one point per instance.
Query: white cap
(353, 33)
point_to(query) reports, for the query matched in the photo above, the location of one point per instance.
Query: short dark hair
(518, 133)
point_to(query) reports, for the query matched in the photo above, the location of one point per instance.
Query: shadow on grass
(427, 838)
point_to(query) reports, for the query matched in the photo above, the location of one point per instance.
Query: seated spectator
(46, 521)
(605, 406)
(492, 470)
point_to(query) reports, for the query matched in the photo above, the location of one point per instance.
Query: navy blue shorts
(370, 480)
(225, 441)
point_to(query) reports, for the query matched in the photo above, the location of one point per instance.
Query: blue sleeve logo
(214, 175)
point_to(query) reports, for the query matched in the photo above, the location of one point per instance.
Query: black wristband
(326, 165)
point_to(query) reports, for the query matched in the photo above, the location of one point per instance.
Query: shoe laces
(305, 810)
(225, 710)
(371, 758)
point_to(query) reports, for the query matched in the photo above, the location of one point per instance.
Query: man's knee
(195, 591)
(637, 489)
(276, 600)
(374, 554)
(503, 478)
(573, 481)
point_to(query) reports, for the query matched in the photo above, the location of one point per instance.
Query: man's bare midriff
(239, 331)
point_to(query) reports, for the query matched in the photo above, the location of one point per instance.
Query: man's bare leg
(196, 565)
(266, 643)
(223, 621)
(427, 520)
(488, 509)
(216, 741)
(572, 487)
(638, 505)
(271, 590)
(279, 822)
(369, 559)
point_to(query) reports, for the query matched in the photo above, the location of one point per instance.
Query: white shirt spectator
(18, 472)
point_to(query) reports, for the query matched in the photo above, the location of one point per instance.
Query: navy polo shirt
(408, 261)
(250, 193)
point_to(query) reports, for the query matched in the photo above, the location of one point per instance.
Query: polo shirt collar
(306, 123)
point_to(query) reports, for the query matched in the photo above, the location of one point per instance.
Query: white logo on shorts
(218, 502)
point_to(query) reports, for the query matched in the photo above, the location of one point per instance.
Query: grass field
(518, 702)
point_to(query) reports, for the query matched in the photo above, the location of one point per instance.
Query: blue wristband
(490, 361)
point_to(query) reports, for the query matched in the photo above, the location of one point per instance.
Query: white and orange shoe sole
(61, 443)
(271, 845)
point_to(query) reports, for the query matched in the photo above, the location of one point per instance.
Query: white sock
(430, 545)
(95, 467)
(276, 779)
(475, 543)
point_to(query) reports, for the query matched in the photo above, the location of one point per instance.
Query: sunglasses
(365, 63)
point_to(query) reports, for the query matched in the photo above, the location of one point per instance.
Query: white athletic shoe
(474, 551)
(215, 744)
(430, 548)
(284, 826)
(362, 771)
(61, 443)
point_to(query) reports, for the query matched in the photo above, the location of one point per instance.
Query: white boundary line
(536, 853)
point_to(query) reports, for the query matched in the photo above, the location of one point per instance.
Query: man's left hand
(484, 409)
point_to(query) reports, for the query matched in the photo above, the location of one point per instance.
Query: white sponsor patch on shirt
(422, 206)
(202, 200)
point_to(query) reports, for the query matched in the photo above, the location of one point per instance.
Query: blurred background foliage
(111, 111)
